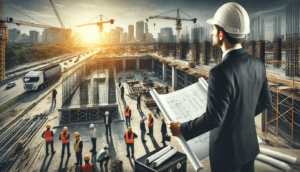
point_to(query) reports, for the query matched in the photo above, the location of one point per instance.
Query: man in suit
(163, 130)
(143, 129)
(107, 122)
(238, 90)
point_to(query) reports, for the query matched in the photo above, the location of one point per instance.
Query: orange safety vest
(63, 138)
(87, 167)
(127, 112)
(150, 121)
(131, 138)
(48, 136)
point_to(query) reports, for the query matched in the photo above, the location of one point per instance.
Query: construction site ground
(117, 146)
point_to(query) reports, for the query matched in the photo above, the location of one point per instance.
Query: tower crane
(4, 36)
(178, 21)
(99, 24)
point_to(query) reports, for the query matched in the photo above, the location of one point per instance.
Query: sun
(89, 34)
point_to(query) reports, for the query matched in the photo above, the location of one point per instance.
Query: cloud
(268, 11)
(39, 14)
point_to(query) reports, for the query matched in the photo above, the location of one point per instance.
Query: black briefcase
(167, 138)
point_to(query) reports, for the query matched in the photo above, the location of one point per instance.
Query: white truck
(42, 77)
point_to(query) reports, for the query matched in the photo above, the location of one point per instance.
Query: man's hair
(229, 38)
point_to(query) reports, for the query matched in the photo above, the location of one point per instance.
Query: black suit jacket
(142, 125)
(109, 120)
(238, 90)
(163, 128)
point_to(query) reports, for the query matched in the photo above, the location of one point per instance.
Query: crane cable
(167, 12)
(185, 14)
(24, 14)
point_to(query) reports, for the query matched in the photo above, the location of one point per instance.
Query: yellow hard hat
(129, 129)
(54, 88)
(48, 126)
(86, 157)
(122, 85)
(65, 128)
(166, 84)
(139, 94)
(127, 106)
(149, 113)
(76, 134)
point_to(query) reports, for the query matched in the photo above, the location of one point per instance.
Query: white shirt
(107, 120)
(103, 153)
(94, 133)
(231, 49)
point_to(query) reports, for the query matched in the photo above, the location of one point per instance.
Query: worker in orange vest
(65, 140)
(87, 167)
(129, 138)
(150, 125)
(78, 148)
(157, 88)
(127, 115)
(48, 135)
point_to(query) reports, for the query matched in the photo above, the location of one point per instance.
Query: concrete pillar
(137, 64)
(260, 47)
(124, 64)
(164, 72)
(185, 79)
(152, 64)
(174, 78)
(252, 45)
(277, 51)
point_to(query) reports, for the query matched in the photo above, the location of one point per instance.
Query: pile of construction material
(129, 75)
(16, 137)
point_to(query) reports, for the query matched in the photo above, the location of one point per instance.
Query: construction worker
(103, 156)
(48, 135)
(93, 138)
(87, 167)
(166, 88)
(157, 88)
(163, 131)
(54, 92)
(107, 122)
(64, 137)
(157, 110)
(127, 115)
(122, 92)
(119, 85)
(150, 125)
(78, 145)
(139, 102)
(129, 138)
(143, 128)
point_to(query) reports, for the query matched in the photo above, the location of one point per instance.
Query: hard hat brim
(210, 21)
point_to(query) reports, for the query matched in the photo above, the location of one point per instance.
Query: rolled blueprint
(158, 154)
(275, 162)
(166, 156)
(277, 155)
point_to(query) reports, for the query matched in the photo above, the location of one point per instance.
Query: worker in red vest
(78, 145)
(87, 167)
(127, 115)
(65, 140)
(150, 125)
(48, 135)
(129, 138)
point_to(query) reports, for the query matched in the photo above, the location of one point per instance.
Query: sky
(128, 12)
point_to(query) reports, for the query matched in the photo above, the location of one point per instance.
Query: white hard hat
(106, 146)
(92, 125)
(106, 112)
(144, 117)
(162, 119)
(233, 18)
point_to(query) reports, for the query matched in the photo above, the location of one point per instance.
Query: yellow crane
(99, 24)
(4, 37)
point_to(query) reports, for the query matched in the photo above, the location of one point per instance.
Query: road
(7, 94)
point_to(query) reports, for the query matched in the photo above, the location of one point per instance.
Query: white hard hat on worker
(233, 18)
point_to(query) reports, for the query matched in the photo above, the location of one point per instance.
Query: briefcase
(167, 138)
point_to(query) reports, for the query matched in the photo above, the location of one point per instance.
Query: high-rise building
(282, 37)
(13, 35)
(130, 33)
(50, 36)
(34, 36)
(195, 35)
(201, 34)
(140, 31)
(166, 34)
(124, 37)
(150, 37)
(146, 32)
(25, 38)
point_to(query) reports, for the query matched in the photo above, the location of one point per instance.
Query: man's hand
(109, 156)
(174, 128)
(90, 133)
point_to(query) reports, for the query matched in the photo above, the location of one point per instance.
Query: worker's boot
(53, 152)
(76, 163)
(127, 155)
(132, 156)
(69, 154)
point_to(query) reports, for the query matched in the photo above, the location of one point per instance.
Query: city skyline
(129, 12)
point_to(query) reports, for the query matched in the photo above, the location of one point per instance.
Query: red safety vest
(63, 138)
(150, 121)
(48, 136)
(87, 167)
(131, 138)
(127, 112)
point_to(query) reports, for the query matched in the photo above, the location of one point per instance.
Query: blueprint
(185, 105)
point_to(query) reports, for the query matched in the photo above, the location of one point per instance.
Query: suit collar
(234, 53)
